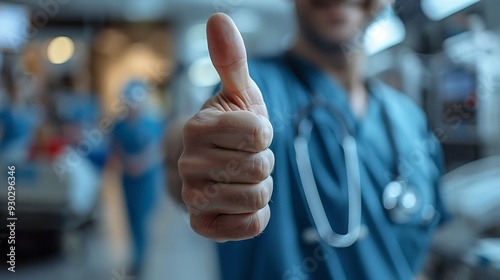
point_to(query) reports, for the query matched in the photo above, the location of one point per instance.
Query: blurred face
(328, 24)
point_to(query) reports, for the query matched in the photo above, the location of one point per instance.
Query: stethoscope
(399, 198)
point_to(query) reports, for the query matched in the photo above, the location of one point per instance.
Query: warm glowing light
(60, 50)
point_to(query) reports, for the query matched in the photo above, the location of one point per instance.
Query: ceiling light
(60, 50)
(439, 9)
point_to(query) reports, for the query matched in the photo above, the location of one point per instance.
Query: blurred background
(75, 72)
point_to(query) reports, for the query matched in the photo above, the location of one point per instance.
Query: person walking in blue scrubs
(302, 167)
(136, 139)
(18, 120)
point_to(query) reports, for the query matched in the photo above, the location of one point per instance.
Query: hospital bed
(52, 207)
(48, 200)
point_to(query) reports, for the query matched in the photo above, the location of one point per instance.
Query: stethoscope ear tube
(312, 196)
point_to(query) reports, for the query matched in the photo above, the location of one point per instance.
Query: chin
(329, 38)
(339, 40)
(339, 35)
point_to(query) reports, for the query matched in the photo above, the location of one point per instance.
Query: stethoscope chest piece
(401, 201)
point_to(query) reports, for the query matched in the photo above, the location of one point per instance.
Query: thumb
(228, 54)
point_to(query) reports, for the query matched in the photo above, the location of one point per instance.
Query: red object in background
(471, 102)
(49, 150)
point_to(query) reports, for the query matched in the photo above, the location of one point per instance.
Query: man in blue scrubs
(247, 130)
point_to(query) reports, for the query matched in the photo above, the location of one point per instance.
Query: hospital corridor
(250, 140)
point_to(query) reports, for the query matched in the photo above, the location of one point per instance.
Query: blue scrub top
(388, 250)
(78, 108)
(18, 125)
(134, 136)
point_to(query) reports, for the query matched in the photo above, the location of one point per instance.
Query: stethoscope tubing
(313, 198)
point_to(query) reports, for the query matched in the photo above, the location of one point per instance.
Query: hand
(226, 163)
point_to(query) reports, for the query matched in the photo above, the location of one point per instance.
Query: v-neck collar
(331, 90)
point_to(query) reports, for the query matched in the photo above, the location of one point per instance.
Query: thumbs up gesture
(226, 163)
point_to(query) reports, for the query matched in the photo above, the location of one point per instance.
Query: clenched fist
(226, 163)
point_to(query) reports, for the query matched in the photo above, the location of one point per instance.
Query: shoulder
(269, 73)
(402, 107)
(265, 62)
(411, 123)
(263, 68)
